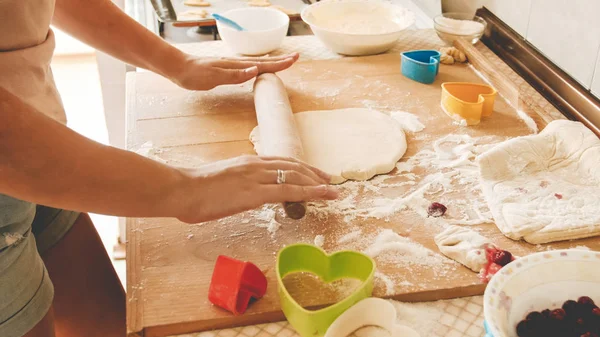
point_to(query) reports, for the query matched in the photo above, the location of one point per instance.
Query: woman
(55, 278)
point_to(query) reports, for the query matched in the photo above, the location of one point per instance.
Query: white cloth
(546, 187)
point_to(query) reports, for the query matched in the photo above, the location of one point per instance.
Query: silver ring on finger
(280, 176)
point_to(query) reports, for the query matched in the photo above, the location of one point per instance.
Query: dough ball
(446, 59)
(456, 54)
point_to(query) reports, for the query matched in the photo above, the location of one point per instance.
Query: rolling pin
(278, 133)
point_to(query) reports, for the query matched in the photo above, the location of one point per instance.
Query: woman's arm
(45, 162)
(101, 24)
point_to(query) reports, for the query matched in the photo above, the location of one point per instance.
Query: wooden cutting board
(169, 263)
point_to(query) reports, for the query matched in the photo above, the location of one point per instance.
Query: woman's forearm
(104, 26)
(45, 162)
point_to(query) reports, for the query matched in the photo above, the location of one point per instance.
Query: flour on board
(409, 122)
(391, 247)
(387, 281)
(267, 216)
(453, 170)
(319, 241)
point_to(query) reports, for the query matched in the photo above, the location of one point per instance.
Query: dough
(198, 3)
(285, 10)
(370, 312)
(446, 59)
(463, 245)
(348, 143)
(193, 14)
(545, 187)
(259, 3)
(450, 55)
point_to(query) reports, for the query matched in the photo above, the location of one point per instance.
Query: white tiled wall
(514, 12)
(596, 82)
(430, 7)
(567, 32)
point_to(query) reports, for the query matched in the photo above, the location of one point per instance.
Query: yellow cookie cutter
(468, 102)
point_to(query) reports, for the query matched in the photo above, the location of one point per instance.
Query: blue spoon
(228, 22)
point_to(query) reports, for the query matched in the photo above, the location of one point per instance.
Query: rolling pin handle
(295, 210)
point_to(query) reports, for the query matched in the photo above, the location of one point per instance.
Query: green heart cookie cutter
(342, 264)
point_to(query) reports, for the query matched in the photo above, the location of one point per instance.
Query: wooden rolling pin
(278, 133)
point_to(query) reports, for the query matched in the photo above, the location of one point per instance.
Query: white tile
(453, 310)
(473, 308)
(461, 325)
(514, 13)
(459, 302)
(568, 33)
(475, 331)
(467, 316)
(454, 333)
(206, 334)
(250, 331)
(227, 333)
(285, 333)
(447, 319)
(273, 328)
(596, 83)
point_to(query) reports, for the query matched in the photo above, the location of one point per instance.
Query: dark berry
(596, 312)
(558, 314)
(523, 329)
(589, 334)
(534, 316)
(546, 313)
(436, 210)
(570, 307)
(502, 257)
(585, 301)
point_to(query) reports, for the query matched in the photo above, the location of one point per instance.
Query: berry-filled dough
(464, 246)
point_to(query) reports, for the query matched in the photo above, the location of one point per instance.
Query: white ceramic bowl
(357, 27)
(536, 282)
(265, 30)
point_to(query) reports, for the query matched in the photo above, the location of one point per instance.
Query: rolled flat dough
(348, 143)
(545, 187)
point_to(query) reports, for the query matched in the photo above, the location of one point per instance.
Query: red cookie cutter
(234, 283)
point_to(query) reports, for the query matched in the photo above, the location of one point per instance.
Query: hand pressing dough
(464, 246)
(197, 3)
(348, 143)
(546, 187)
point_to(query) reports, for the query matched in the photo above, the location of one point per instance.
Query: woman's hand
(196, 73)
(231, 186)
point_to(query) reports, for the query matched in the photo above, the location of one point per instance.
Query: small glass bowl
(449, 30)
